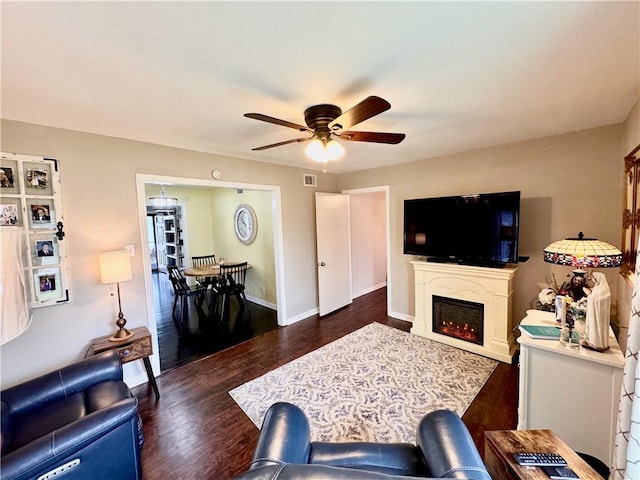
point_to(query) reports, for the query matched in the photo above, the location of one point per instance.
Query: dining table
(211, 270)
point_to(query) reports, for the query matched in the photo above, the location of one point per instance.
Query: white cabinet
(573, 392)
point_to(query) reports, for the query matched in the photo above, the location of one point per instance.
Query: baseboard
(402, 316)
(262, 302)
(301, 316)
(134, 374)
(370, 289)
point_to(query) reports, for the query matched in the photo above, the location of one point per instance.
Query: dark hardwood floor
(196, 430)
(202, 335)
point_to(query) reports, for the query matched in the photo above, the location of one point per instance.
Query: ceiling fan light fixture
(323, 151)
(334, 150)
(317, 151)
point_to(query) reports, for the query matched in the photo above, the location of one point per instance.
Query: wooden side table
(137, 347)
(500, 445)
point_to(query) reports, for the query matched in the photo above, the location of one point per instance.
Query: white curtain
(627, 449)
(15, 317)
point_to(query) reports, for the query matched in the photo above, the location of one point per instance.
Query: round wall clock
(245, 223)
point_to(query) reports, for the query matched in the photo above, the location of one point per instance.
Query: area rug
(374, 385)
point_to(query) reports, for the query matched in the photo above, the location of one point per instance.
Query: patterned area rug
(374, 384)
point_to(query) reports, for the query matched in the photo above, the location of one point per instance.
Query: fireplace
(458, 319)
(467, 307)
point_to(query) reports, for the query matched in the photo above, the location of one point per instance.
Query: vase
(569, 336)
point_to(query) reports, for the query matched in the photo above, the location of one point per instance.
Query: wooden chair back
(233, 274)
(203, 260)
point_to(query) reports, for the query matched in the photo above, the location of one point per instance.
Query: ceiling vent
(309, 180)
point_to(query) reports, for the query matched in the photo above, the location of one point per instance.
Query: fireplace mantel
(491, 287)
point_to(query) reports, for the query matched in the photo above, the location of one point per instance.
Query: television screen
(480, 229)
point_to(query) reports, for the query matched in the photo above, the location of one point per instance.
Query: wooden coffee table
(500, 445)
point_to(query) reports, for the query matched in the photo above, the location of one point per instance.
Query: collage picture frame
(31, 201)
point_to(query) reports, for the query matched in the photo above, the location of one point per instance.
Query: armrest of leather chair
(43, 452)
(284, 437)
(68, 380)
(448, 448)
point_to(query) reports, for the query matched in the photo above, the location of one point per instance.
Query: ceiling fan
(326, 122)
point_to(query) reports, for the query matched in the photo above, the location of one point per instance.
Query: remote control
(539, 459)
(560, 473)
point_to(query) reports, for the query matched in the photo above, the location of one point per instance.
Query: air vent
(309, 180)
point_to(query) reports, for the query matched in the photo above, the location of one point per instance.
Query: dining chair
(184, 292)
(231, 284)
(201, 261)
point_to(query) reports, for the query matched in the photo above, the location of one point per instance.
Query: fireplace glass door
(458, 319)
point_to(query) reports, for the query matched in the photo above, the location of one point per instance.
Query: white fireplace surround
(492, 287)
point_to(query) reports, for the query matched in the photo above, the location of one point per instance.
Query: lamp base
(122, 333)
(577, 284)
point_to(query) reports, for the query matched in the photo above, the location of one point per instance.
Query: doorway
(276, 219)
(371, 260)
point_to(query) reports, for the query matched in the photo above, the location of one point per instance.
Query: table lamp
(115, 267)
(581, 253)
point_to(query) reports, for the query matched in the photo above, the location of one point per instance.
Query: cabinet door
(575, 398)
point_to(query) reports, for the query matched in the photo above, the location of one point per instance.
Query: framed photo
(45, 252)
(9, 213)
(37, 178)
(47, 284)
(9, 177)
(41, 214)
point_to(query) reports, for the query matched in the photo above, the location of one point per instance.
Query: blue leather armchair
(81, 419)
(444, 449)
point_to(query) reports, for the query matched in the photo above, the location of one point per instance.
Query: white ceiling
(458, 76)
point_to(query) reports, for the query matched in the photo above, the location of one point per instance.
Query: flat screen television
(480, 229)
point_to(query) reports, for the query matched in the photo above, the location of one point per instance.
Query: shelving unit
(169, 241)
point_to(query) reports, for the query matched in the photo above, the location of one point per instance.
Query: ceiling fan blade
(376, 137)
(279, 144)
(277, 121)
(369, 107)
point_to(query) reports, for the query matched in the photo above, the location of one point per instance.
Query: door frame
(278, 245)
(384, 189)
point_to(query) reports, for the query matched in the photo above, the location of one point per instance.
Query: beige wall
(260, 281)
(368, 242)
(625, 284)
(101, 214)
(569, 183)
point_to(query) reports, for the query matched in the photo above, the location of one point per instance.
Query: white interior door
(333, 245)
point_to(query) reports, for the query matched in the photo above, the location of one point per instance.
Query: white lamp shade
(334, 150)
(115, 267)
(316, 151)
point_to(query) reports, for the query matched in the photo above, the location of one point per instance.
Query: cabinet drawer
(135, 350)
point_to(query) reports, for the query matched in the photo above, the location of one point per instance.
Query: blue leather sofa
(444, 449)
(81, 419)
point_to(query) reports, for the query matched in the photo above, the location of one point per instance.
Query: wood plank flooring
(202, 335)
(197, 431)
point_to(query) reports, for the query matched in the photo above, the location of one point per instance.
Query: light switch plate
(131, 249)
